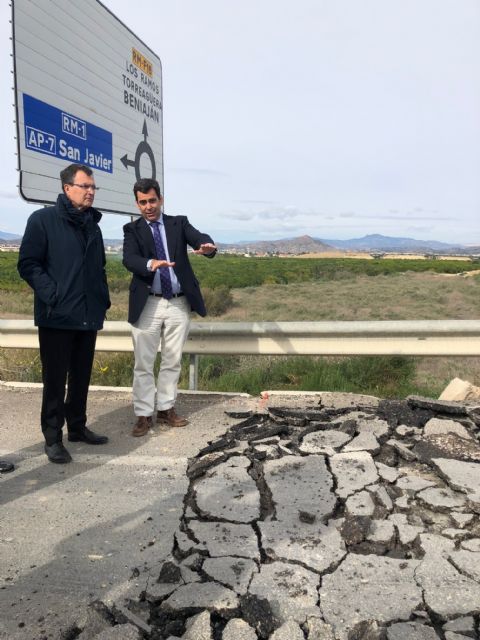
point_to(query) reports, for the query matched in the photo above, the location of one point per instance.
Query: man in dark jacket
(163, 291)
(63, 259)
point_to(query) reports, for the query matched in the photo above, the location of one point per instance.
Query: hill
(377, 242)
(4, 235)
(295, 246)
(307, 244)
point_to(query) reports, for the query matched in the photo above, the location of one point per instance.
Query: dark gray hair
(67, 175)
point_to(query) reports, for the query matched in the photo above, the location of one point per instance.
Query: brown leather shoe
(142, 425)
(171, 418)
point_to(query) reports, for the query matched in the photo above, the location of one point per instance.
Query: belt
(160, 295)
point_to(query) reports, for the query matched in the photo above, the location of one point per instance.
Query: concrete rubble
(338, 521)
(460, 390)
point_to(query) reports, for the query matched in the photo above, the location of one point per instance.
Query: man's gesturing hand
(205, 249)
(156, 264)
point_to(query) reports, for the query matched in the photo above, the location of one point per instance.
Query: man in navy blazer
(163, 291)
(62, 258)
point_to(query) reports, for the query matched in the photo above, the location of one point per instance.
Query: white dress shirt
(156, 286)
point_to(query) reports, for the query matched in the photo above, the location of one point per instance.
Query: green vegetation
(237, 271)
(9, 278)
(400, 296)
(379, 376)
(118, 277)
(275, 289)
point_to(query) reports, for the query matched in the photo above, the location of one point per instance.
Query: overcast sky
(332, 118)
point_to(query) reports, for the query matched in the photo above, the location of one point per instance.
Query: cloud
(420, 229)
(278, 213)
(281, 231)
(255, 201)
(242, 216)
(282, 221)
(198, 171)
(398, 218)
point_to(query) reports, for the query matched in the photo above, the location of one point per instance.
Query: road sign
(88, 91)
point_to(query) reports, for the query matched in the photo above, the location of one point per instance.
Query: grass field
(336, 291)
(400, 296)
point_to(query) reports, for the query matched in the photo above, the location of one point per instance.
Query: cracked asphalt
(317, 516)
(349, 518)
(70, 534)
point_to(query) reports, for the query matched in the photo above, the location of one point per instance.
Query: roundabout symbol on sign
(143, 148)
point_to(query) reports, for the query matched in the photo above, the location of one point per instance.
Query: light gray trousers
(163, 323)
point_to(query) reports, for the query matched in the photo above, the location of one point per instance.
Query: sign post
(87, 91)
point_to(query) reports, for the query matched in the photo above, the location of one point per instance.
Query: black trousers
(65, 353)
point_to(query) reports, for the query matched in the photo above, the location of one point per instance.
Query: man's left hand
(205, 249)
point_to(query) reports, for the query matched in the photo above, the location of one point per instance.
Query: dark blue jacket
(63, 259)
(139, 248)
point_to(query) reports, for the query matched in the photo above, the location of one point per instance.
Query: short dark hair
(144, 185)
(67, 175)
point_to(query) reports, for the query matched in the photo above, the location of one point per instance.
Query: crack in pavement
(345, 536)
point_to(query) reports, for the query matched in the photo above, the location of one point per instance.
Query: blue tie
(165, 279)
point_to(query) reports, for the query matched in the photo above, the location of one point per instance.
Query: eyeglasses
(142, 203)
(85, 187)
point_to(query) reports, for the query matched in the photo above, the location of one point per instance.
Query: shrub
(217, 300)
(387, 376)
(20, 365)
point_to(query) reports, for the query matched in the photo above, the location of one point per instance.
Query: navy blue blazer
(139, 248)
(62, 258)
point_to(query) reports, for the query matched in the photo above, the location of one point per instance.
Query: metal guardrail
(391, 337)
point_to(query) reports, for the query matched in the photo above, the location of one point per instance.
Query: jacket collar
(65, 208)
(146, 233)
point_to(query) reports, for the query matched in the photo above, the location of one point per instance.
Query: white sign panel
(87, 91)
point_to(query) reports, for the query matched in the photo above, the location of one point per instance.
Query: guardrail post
(193, 372)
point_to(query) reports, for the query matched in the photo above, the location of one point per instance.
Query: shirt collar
(159, 221)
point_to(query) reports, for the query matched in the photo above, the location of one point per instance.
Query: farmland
(301, 289)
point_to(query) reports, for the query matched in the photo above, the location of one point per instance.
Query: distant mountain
(9, 236)
(374, 242)
(377, 242)
(306, 244)
(302, 244)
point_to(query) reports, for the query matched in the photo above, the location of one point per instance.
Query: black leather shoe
(56, 452)
(87, 436)
(6, 467)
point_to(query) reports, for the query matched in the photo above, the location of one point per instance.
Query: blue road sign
(56, 133)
